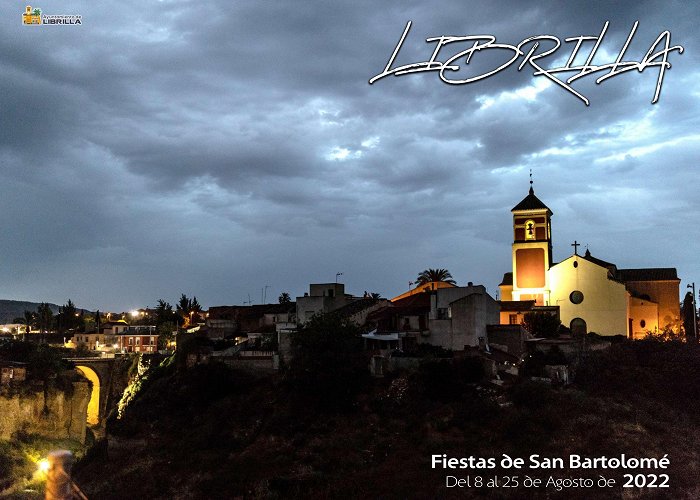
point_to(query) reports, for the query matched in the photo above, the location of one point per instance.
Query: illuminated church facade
(589, 294)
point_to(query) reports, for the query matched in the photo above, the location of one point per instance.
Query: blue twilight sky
(216, 148)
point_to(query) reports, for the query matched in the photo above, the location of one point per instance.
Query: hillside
(210, 432)
(11, 309)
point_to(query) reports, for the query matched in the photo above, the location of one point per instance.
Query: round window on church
(642, 323)
(576, 297)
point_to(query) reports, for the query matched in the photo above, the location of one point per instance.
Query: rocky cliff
(23, 413)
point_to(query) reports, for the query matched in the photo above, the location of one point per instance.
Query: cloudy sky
(216, 148)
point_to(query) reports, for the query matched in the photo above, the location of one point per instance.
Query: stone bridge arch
(106, 387)
(93, 409)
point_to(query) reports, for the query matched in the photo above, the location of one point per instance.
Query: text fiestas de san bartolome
(538, 462)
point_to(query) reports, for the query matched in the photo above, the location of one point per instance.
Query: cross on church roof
(576, 244)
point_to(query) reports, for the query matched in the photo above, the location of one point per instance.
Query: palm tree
(430, 275)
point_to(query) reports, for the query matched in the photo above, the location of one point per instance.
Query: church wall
(643, 315)
(665, 294)
(506, 292)
(604, 305)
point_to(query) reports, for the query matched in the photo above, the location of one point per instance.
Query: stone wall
(66, 419)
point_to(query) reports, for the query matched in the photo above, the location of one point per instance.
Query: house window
(131, 341)
(442, 313)
(513, 319)
(153, 340)
(138, 340)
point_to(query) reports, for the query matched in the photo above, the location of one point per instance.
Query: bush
(329, 367)
(448, 379)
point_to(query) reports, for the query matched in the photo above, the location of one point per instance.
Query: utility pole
(695, 308)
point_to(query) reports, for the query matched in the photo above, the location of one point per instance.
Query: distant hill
(11, 309)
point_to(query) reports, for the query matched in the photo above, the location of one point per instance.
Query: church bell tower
(532, 249)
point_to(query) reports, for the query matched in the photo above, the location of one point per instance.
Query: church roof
(516, 305)
(530, 202)
(425, 287)
(417, 300)
(649, 274)
(598, 261)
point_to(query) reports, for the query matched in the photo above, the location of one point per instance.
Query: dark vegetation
(543, 325)
(44, 364)
(323, 429)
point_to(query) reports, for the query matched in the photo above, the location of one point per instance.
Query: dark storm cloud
(215, 149)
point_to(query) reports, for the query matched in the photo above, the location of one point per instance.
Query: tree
(689, 318)
(183, 306)
(541, 324)
(44, 317)
(166, 334)
(189, 309)
(45, 364)
(29, 319)
(68, 317)
(329, 366)
(430, 275)
(195, 310)
(166, 323)
(284, 298)
(164, 313)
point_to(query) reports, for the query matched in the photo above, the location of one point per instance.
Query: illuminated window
(513, 319)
